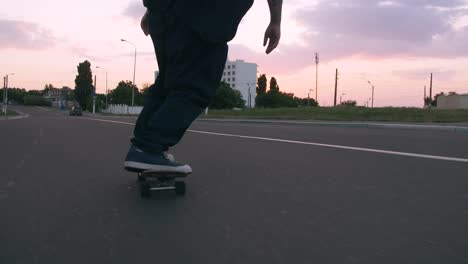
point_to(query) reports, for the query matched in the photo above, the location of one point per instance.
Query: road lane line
(379, 151)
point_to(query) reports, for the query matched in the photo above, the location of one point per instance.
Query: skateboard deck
(161, 181)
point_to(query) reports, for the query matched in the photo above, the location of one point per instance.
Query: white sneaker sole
(143, 166)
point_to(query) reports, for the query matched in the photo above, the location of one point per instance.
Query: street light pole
(134, 70)
(341, 97)
(107, 90)
(250, 96)
(4, 95)
(317, 60)
(94, 94)
(308, 97)
(372, 93)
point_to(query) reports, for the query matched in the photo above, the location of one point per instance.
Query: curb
(20, 116)
(458, 129)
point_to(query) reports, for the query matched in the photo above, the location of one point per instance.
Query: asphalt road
(260, 193)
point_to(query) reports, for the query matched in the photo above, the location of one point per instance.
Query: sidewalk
(449, 127)
(19, 115)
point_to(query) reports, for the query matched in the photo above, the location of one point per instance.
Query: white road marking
(387, 152)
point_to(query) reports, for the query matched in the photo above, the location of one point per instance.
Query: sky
(393, 44)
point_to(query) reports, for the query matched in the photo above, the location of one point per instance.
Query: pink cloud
(24, 35)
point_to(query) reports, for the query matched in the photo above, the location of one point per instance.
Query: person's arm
(145, 23)
(273, 32)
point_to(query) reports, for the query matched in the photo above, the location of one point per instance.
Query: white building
(242, 76)
(455, 101)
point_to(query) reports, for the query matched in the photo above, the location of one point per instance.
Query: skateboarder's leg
(157, 92)
(193, 71)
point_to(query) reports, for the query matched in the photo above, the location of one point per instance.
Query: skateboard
(161, 181)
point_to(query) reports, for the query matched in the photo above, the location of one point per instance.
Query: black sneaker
(139, 161)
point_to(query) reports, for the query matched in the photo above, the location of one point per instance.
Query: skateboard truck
(160, 181)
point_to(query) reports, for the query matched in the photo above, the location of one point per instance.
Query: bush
(275, 99)
(349, 103)
(227, 98)
(36, 100)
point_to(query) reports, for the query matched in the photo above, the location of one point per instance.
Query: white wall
(458, 101)
(123, 110)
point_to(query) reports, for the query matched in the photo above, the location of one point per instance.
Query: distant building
(242, 76)
(454, 101)
(58, 97)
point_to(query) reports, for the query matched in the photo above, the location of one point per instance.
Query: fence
(123, 110)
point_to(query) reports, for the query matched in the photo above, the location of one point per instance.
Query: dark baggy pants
(190, 70)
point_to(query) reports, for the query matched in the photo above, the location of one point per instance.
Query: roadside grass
(9, 113)
(388, 114)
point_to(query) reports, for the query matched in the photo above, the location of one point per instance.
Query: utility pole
(317, 60)
(5, 93)
(336, 86)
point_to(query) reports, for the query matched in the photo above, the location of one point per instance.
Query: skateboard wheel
(179, 188)
(145, 189)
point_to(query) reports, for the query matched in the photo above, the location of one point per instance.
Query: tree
(227, 98)
(145, 92)
(71, 96)
(276, 99)
(34, 92)
(122, 94)
(47, 88)
(262, 84)
(434, 102)
(274, 84)
(36, 100)
(15, 95)
(84, 84)
(349, 103)
(427, 101)
(305, 102)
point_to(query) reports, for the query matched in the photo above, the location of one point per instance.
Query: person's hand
(272, 37)
(145, 24)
